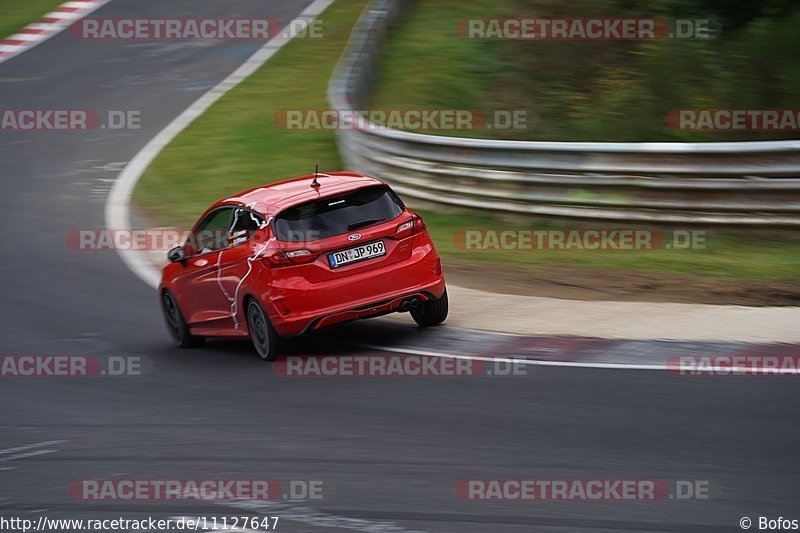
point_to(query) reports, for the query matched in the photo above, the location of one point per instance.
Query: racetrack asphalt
(389, 451)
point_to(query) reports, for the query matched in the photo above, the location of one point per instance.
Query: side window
(211, 233)
(245, 224)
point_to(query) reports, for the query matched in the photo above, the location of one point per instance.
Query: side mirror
(177, 254)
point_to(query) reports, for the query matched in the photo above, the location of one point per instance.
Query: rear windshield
(328, 217)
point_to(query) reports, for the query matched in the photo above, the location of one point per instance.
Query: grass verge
(19, 13)
(726, 254)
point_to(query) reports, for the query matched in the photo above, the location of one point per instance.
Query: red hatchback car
(299, 255)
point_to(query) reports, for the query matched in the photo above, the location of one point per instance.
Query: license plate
(359, 253)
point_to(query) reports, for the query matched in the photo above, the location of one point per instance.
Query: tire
(176, 325)
(431, 312)
(264, 338)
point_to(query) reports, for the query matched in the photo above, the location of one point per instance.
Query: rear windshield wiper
(364, 223)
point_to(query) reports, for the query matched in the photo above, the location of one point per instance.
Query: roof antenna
(315, 183)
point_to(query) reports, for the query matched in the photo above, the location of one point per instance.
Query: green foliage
(597, 90)
(19, 13)
(727, 254)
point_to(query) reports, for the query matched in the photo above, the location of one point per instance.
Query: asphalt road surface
(388, 452)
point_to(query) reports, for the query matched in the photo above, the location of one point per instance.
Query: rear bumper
(299, 306)
(368, 311)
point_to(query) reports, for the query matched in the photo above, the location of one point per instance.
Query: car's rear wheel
(431, 312)
(264, 338)
(176, 325)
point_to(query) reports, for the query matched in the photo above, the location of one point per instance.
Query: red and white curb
(51, 24)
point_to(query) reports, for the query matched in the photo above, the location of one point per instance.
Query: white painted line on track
(117, 212)
(26, 447)
(32, 453)
(28, 450)
(573, 364)
(512, 359)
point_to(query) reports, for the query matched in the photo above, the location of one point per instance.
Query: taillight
(290, 257)
(405, 225)
(409, 228)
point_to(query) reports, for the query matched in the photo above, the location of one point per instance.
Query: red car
(298, 255)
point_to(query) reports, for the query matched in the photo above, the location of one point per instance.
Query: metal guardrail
(749, 183)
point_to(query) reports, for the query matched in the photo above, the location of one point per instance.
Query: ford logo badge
(354, 236)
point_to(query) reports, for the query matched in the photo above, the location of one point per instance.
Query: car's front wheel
(264, 338)
(431, 312)
(176, 325)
